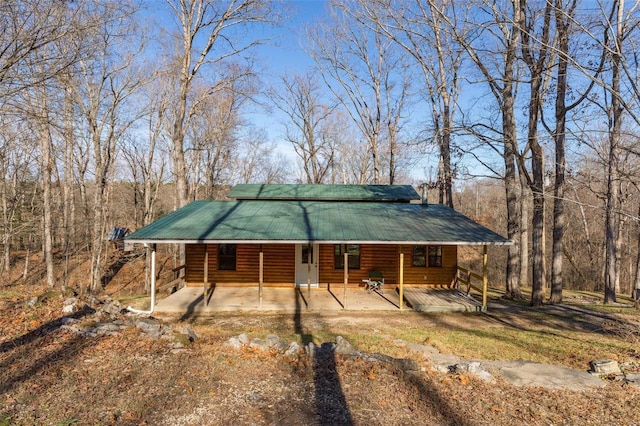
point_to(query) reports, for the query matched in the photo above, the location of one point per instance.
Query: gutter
(153, 284)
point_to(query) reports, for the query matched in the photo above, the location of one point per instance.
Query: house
(318, 236)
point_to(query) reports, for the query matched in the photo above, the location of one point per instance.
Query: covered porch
(189, 301)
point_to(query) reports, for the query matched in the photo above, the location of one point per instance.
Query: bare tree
(102, 85)
(498, 66)
(364, 71)
(306, 128)
(259, 161)
(210, 33)
(535, 53)
(419, 29)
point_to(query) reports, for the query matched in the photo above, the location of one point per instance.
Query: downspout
(153, 284)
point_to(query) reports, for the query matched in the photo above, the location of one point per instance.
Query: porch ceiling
(261, 221)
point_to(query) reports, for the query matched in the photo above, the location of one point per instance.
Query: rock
(151, 327)
(293, 350)
(234, 342)
(180, 340)
(474, 368)
(113, 308)
(69, 309)
(191, 335)
(528, 373)
(257, 344)
(106, 329)
(281, 346)
(311, 350)
(422, 348)
(70, 301)
(71, 328)
(68, 320)
(605, 366)
(633, 378)
(148, 324)
(272, 340)
(32, 301)
(244, 339)
(343, 347)
(405, 364)
(441, 362)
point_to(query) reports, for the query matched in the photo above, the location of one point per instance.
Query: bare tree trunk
(635, 292)
(537, 66)
(525, 229)
(612, 216)
(559, 137)
(47, 205)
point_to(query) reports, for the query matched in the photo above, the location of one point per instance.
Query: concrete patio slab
(190, 300)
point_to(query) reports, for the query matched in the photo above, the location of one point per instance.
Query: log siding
(279, 266)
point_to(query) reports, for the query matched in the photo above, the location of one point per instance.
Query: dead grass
(54, 377)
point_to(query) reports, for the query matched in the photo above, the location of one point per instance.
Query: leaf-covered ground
(50, 375)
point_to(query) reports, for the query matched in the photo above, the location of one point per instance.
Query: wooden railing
(177, 277)
(466, 276)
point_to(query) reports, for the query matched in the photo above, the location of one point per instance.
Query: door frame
(301, 269)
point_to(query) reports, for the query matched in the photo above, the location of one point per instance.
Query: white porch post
(153, 285)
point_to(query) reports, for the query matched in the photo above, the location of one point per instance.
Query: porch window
(226, 257)
(435, 256)
(419, 256)
(354, 255)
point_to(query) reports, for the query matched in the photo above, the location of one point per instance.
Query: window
(420, 256)
(226, 257)
(354, 255)
(307, 252)
(435, 256)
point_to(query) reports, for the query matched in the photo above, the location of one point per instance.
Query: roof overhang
(323, 222)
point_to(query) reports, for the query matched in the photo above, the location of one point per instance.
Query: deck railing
(466, 276)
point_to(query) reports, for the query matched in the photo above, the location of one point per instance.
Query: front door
(307, 264)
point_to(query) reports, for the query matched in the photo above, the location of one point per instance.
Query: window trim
(338, 256)
(436, 258)
(416, 256)
(227, 257)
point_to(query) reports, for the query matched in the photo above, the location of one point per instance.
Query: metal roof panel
(396, 193)
(318, 221)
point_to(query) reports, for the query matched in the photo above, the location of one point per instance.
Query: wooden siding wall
(437, 276)
(373, 257)
(279, 264)
(384, 258)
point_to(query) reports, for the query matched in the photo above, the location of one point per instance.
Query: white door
(304, 269)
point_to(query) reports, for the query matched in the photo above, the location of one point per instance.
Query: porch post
(484, 278)
(152, 303)
(261, 275)
(346, 279)
(205, 281)
(401, 278)
(309, 259)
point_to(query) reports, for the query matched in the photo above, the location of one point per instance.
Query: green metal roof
(401, 193)
(315, 221)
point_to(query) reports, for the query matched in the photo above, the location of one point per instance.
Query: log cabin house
(318, 236)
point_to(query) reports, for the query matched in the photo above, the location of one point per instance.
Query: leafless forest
(522, 114)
